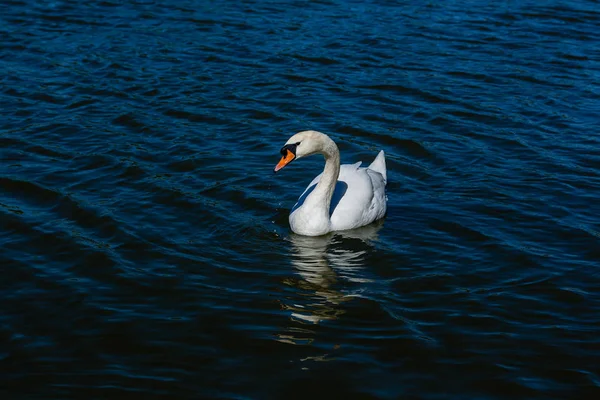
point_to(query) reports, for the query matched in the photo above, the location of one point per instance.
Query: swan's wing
(378, 165)
(363, 200)
(355, 199)
(377, 172)
(378, 206)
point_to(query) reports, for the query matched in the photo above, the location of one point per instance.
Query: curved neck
(320, 198)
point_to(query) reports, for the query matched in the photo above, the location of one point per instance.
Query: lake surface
(145, 248)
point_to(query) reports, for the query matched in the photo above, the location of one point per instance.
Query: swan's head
(300, 145)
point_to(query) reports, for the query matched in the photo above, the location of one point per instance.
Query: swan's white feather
(378, 165)
(343, 197)
(359, 196)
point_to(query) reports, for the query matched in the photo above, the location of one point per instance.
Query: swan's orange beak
(285, 160)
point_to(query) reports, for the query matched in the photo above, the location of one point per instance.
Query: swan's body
(342, 197)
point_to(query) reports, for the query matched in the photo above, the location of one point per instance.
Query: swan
(342, 197)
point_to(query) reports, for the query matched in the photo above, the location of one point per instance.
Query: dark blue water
(145, 249)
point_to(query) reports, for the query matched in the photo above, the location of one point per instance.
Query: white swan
(342, 197)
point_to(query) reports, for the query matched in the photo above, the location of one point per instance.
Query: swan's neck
(320, 198)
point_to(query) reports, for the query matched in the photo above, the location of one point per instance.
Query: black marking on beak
(290, 147)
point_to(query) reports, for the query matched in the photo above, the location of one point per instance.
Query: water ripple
(145, 241)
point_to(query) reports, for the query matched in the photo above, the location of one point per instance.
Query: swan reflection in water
(325, 264)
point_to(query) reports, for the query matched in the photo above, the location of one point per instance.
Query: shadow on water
(325, 265)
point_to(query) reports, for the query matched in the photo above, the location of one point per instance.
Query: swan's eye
(298, 144)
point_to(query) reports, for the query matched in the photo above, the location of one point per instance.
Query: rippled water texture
(145, 249)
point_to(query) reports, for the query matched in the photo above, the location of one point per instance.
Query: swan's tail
(378, 165)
